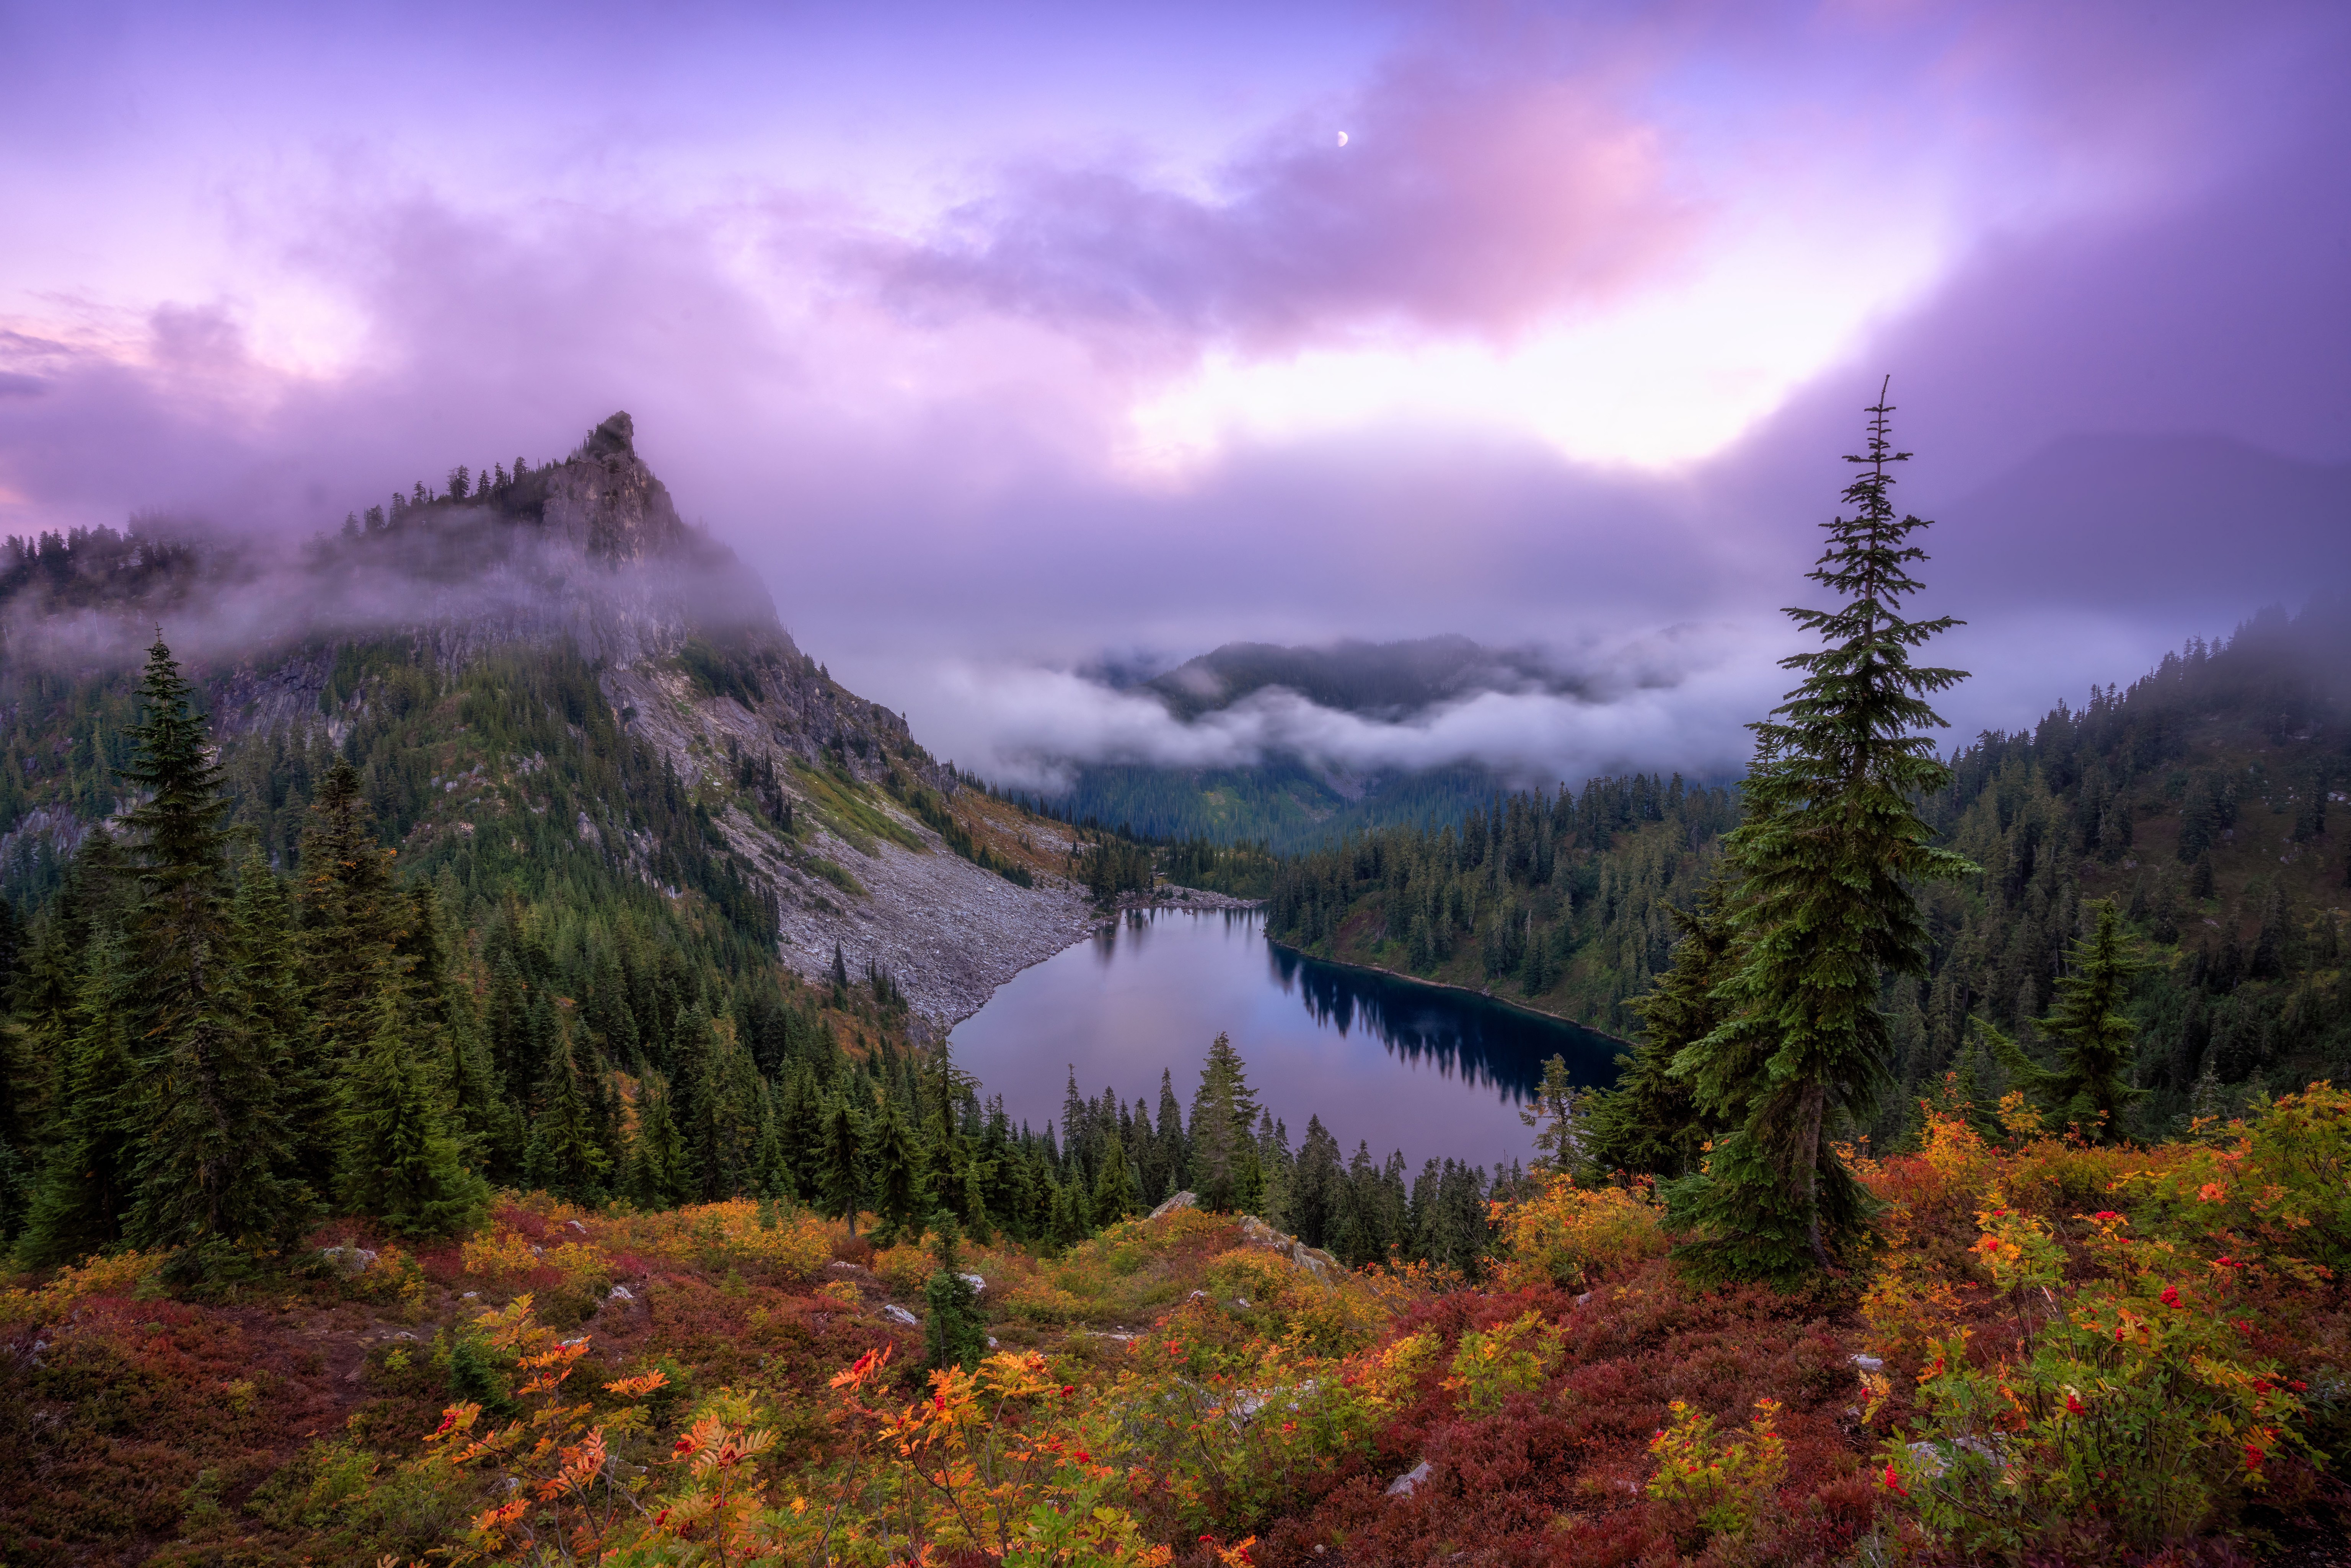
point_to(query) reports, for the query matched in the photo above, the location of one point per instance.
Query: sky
(1007, 340)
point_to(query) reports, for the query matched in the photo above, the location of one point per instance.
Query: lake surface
(1434, 1072)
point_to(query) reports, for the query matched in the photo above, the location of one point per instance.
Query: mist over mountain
(1389, 682)
(591, 548)
(1295, 743)
(543, 675)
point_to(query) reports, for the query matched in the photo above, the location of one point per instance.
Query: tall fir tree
(657, 1164)
(1224, 1123)
(351, 914)
(211, 1144)
(86, 1185)
(898, 1195)
(563, 1155)
(75, 1180)
(400, 1162)
(2090, 1087)
(1116, 1195)
(843, 1179)
(1649, 1124)
(1828, 853)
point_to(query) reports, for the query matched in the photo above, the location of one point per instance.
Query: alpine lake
(1435, 1072)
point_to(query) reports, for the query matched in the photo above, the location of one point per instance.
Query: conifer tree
(1224, 1118)
(1175, 1147)
(350, 914)
(1556, 1117)
(844, 1159)
(2090, 1087)
(657, 1177)
(73, 1176)
(898, 1195)
(400, 1162)
(209, 1138)
(953, 1334)
(86, 1184)
(1649, 1124)
(1115, 1196)
(563, 1156)
(1828, 850)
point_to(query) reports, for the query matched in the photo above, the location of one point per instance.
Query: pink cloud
(1466, 200)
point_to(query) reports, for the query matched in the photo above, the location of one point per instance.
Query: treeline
(1234, 1155)
(205, 1053)
(1280, 802)
(1565, 898)
(2197, 802)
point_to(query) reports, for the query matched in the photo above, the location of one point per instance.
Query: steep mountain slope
(545, 667)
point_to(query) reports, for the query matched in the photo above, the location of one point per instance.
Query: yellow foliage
(578, 1261)
(1490, 1366)
(1567, 1235)
(499, 1254)
(94, 1277)
(905, 1269)
(1717, 1485)
(731, 1234)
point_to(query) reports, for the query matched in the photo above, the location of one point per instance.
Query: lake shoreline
(1449, 985)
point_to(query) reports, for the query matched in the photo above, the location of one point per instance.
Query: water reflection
(1398, 1065)
(1481, 1041)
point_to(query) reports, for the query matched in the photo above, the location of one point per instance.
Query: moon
(1343, 139)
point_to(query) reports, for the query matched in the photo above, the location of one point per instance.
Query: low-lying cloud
(1676, 701)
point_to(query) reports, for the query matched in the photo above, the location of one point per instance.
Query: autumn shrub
(499, 1254)
(2131, 1397)
(741, 1233)
(118, 1274)
(903, 1268)
(1491, 1364)
(1129, 1270)
(1003, 1462)
(1569, 1236)
(566, 1498)
(1712, 1486)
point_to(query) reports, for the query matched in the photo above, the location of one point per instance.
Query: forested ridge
(2197, 799)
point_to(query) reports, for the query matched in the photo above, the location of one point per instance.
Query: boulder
(1256, 1232)
(1404, 1484)
(1180, 1200)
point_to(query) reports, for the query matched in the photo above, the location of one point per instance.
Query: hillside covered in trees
(2198, 799)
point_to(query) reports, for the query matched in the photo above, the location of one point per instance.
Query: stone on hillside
(1404, 1484)
(1180, 1200)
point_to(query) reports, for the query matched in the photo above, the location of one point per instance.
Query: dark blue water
(1434, 1072)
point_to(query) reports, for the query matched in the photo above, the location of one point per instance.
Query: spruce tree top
(1857, 714)
(178, 826)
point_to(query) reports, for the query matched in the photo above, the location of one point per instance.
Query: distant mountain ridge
(1292, 803)
(1387, 680)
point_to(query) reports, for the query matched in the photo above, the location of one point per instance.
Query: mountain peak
(608, 503)
(616, 437)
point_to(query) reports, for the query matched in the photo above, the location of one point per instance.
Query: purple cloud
(1467, 198)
